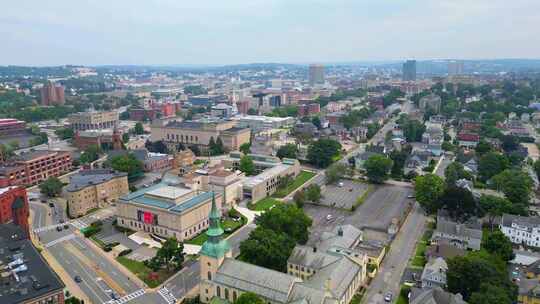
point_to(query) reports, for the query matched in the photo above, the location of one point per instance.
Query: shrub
(125, 252)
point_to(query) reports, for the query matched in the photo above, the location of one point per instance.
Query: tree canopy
(287, 151)
(428, 190)
(249, 298)
(377, 168)
(491, 164)
(247, 166)
(322, 152)
(129, 164)
(51, 187)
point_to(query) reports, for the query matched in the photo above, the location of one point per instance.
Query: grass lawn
(264, 204)
(402, 297)
(303, 177)
(143, 272)
(228, 223)
(419, 259)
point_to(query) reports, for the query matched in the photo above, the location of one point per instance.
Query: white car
(340, 184)
(329, 217)
(388, 297)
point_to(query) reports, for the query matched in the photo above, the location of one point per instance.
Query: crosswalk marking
(47, 228)
(79, 224)
(127, 298)
(167, 295)
(59, 240)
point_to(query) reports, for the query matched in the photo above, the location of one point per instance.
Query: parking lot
(385, 203)
(343, 194)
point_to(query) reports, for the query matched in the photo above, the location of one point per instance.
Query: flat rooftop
(87, 178)
(169, 198)
(266, 174)
(25, 274)
(169, 192)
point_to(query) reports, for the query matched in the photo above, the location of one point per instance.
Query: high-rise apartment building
(409, 70)
(455, 68)
(316, 74)
(52, 94)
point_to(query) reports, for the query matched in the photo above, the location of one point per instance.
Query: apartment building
(521, 229)
(34, 167)
(90, 189)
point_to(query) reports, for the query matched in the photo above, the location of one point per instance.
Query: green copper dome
(215, 246)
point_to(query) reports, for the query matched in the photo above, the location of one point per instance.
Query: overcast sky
(95, 32)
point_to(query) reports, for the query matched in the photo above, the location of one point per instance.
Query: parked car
(388, 297)
(340, 184)
(58, 228)
(77, 279)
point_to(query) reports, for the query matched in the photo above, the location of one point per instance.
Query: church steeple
(215, 246)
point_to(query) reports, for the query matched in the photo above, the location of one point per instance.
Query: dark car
(77, 279)
(58, 228)
(51, 205)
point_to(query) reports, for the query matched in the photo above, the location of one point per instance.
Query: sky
(167, 32)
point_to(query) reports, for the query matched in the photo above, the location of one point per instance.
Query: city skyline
(197, 33)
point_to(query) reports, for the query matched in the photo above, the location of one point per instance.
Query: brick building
(52, 94)
(12, 126)
(309, 109)
(33, 167)
(14, 207)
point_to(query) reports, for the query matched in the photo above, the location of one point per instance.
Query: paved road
(447, 160)
(389, 276)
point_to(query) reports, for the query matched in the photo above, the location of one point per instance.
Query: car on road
(66, 226)
(410, 196)
(388, 297)
(114, 296)
(58, 228)
(77, 279)
(340, 184)
(329, 217)
(51, 205)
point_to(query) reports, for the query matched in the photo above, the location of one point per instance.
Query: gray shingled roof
(270, 284)
(338, 275)
(435, 296)
(526, 221)
(304, 255)
(453, 228)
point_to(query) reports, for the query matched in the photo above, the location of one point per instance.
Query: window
(226, 293)
(234, 295)
(218, 291)
(210, 277)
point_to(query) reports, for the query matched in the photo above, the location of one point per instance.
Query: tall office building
(455, 68)
(52, 94)
(409, 70)
(316, 74)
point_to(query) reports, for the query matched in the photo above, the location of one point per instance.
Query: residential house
(418, 160)
(434, 273)
(521, 229)
(434, 296)
(465, 236)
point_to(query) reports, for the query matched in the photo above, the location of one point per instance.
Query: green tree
(459, 202)
(14, 144)
(316, 121)
(428, 190)
(491, 164)
(494, 207)
(454, 172)
(245, 148)
(322, 152)
(267, 248)
(90, 154)
(515, 184)
(138, 128)
(129, 164)
(288, 219)
(313, 193)
(509, 143)
(498, 244)
(334, 173)
(468, 275)
(247, 166)
(299, 198)
(125, 138)
(377, 168)
(287, 151)
(171, 254)
(483, 147)
(490, 294)
(51, 187)
(249, 298)
(64, 133)
(398, 158)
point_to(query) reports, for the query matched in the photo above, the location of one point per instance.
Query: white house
(521, 229)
